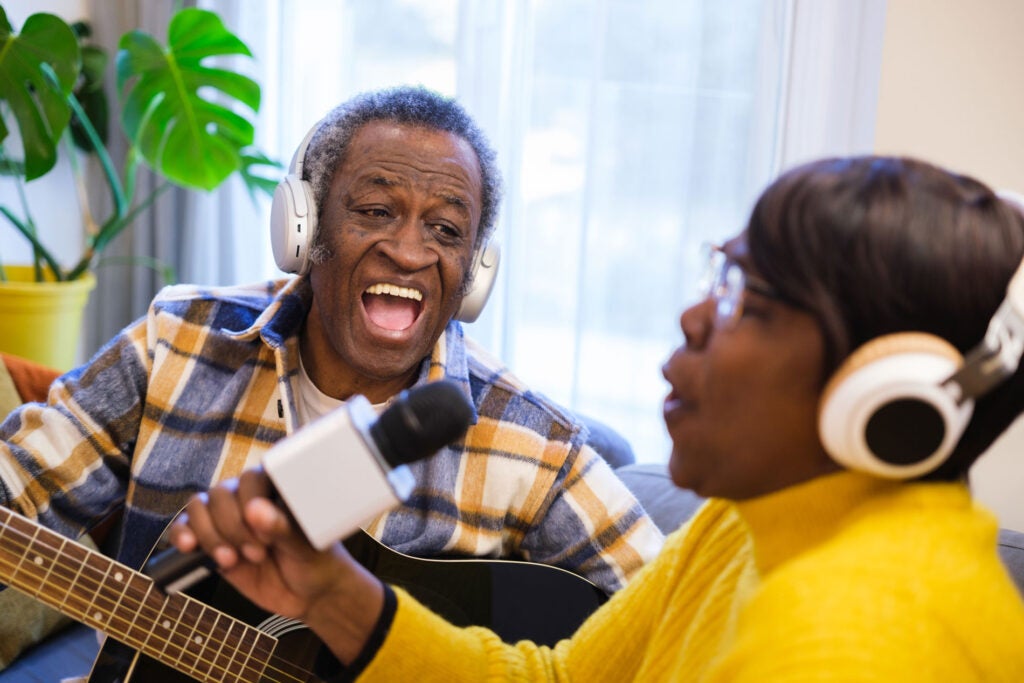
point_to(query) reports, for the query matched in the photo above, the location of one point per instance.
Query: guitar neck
(89, 587)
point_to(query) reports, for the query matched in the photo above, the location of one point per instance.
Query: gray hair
(413, 105)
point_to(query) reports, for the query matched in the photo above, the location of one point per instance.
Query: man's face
(401, 219)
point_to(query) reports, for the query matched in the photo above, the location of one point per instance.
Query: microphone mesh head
(421, 421)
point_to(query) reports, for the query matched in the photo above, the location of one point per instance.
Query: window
(629, 132)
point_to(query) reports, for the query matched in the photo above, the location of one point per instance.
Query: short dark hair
(872, 245)
(413, 105)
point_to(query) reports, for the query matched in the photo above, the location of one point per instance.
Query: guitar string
(144, 603)
(28, 540)
(127, 635)
(78, 608)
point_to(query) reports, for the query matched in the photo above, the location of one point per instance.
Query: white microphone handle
(331, 476)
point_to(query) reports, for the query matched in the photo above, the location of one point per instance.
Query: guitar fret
(177, 631)
(71, 584)
(153, 622)
(91, 580)
(63, 575)
(128, 633)
(74, 571)
(27, 544)
(192, 637)
(108, 618)
(203, 645)
(223, 638)
(169, 620)
(49, 570)
(194, 645)
(212, 637)
(95, 565)
(24, 554)
(259, 652)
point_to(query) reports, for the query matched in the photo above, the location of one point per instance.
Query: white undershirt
(312, 403)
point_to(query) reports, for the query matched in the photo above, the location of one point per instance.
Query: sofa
(65, 649)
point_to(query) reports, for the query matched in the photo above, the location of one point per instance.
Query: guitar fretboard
(89, 587)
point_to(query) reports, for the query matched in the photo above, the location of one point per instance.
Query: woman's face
(742, 410)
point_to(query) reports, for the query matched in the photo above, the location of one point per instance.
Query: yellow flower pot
(42, 320)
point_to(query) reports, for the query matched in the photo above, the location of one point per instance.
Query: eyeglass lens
(723, 281)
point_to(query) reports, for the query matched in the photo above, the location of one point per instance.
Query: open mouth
(676, 405)
(392, 307)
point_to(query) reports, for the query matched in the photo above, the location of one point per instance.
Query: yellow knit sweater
(844, 578)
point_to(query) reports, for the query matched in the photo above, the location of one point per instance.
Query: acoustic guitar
(210, 632)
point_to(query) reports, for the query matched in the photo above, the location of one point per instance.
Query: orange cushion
(31, 379)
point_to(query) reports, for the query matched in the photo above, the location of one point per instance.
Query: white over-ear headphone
(899, 404)
(293, 223)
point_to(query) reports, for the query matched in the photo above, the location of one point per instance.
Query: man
(406, 192)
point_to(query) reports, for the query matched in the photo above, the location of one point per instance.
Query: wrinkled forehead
(418, 144)
(436, 163)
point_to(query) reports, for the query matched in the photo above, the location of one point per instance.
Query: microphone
(345, 468)
(331, 496)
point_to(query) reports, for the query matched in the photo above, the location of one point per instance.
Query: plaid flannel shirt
(199, 389)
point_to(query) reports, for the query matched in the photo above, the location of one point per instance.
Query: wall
(951, 92)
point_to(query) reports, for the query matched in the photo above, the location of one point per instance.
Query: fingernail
(224, 556)
(252, 552)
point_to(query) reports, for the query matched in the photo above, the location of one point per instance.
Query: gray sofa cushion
(608, 443)
(667, 504)
(1011, 548)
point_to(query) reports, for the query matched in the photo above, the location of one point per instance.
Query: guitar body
(516, 600)
(210, 632)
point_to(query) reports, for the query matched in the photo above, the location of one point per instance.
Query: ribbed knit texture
(845, 578)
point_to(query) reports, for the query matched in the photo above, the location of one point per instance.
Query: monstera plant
(188, 120)
(182, 112)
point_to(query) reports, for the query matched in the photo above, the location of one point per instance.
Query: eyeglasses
(724, 282)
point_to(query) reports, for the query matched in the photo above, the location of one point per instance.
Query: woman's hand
(262, 553)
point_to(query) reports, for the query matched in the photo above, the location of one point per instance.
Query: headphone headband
(299, 157)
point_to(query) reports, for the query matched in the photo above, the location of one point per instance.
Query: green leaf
(192, 140)
(38, 101)
(253, 159)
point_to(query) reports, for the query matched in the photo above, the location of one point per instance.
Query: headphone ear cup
(886, 412)
(484, 274)
(292, 224)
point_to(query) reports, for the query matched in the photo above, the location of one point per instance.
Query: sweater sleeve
(423, 647)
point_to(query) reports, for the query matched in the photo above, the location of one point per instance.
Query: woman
(840, 541)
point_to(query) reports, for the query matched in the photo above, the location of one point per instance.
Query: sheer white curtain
(628, 131)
